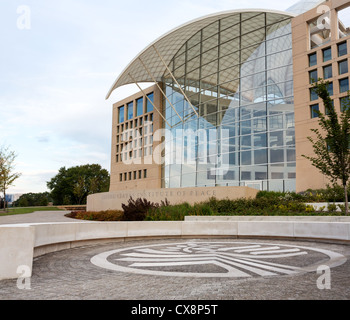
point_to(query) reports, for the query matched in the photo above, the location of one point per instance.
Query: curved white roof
(169, 44)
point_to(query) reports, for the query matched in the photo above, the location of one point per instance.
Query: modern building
(230, 104)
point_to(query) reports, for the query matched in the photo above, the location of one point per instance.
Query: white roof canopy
(151, 64)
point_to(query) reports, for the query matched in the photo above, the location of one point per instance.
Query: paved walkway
(37, 217)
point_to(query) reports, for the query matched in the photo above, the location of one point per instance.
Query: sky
(58, 60)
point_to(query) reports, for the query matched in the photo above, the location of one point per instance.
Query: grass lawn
(13, 211)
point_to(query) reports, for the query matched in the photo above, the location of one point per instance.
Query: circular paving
(189, 269)
(230, 259)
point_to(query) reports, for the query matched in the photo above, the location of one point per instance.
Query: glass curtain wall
(237, 75)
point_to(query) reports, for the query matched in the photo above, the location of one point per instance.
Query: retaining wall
(19, 244)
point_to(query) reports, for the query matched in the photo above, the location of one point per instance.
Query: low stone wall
(114, 200)
(19, 244)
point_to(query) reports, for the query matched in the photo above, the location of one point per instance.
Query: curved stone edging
(19, 244)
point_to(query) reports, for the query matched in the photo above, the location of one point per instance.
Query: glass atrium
(229, 107)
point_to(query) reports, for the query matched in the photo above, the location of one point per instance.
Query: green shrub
(110, 215)
(332, 207)
(136, 210)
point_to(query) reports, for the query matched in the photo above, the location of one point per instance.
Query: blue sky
(55, 75)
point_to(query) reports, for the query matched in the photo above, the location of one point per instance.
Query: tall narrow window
(313, 76)
(149, 106)
(342, 49)
(312, 59)
(313, 110)
(121, 114)
(130, 112)
(344, 85)
(343, 67)
(139, 107)
(327, 54)
(313, 95)
(330, 88)
(327, 72)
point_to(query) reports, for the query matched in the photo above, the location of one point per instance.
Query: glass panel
(313, 95)
(149, 106)
(344, 85)
(342, 49)
(279, 59)
(276, 155)
(121, 114)
(229, 60)
(229, 33)
(210, 30)
(312, 59)
(343, 67)
(314, 109)
(139, 105)
(210, 43)
(278, 44)
(330, 88)
(277, 29)
(313, 76)
(229, 47)
(327, 72)
(256, 23)
(327, 54)
(194, 52)
(253, 39)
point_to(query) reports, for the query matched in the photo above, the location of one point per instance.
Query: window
(343, 67)
(344, 85)
(313, 76)
(149, 106)
(130, 110)
(145, 173)
(121, 177)
(342, 49)
(313, 110)
(135, 175)
(327, 72)
(330, 88)
(139, 107)
(140, 174)
(313, 95)
(312, 59)
(121, 114)
(327, 54)
(344, 103)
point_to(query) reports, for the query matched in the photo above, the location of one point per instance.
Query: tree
(331, 144)
(33, 200)
(73, 185)
(7, 174)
